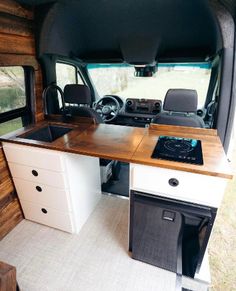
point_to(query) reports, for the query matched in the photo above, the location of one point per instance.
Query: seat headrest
(77, 94)
(181, 100)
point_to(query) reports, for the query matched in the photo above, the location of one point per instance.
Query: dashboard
(143, 106)
(134, 111)
(137, 112)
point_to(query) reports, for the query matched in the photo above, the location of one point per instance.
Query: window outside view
(66, 74)
(12, 95)
(12, 88)
(120, 80)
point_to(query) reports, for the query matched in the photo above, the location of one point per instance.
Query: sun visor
(139, 50)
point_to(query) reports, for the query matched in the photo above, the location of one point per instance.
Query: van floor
(96, 259)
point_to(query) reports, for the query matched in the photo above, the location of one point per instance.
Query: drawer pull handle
(35, 173)
(44, 210)
(173, 182)
(39, 189)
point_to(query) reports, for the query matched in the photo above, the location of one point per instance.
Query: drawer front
(195, 188)
(31, 156)
(45, 215)
(55, 198)
(38, 175)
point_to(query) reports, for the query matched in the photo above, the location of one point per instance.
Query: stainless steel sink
(48, 133)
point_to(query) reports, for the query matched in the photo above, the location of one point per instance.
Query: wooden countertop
(131, 144)
(113, 142)
(215, 161)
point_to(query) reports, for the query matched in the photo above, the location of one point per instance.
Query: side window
(14, 107)
(67, 74)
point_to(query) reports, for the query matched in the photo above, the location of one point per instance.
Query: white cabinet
(57, 189)
(158, 197)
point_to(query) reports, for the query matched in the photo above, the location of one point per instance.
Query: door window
(67, 74)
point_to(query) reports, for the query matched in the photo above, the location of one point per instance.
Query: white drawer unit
(55, 188)
(195, 188)
(54, 197)
(37, 175)
(35, 157)
(43, 214)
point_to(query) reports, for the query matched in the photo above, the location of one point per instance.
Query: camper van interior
(116, 118)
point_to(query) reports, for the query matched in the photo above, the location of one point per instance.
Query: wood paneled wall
(17, 47)
(10, 211)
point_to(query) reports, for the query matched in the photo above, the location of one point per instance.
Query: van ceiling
(135, 31)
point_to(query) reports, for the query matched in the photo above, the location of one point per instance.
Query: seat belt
(212, 106)
(211, 109)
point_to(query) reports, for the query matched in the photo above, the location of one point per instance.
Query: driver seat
(78, 97)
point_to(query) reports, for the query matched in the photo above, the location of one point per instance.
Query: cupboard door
(156, 234)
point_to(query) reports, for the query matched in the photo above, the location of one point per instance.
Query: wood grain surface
(7, 277)
(10, 210)
(181, 129)
(215, 161)
(133, 145)
(13, 8)
(17, 46)
(106, 141)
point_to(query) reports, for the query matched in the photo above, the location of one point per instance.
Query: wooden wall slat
(7, 197)
(14, 44)
(13, 8)
(19, 60)
(10, 216)
(7, 277)
(39, 116)
(15, 25)
(4, 173)
(6, 187)
(10, 210)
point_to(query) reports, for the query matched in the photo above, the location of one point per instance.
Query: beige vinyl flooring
(96, 259)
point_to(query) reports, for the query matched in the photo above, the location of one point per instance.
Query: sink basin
(48, 133)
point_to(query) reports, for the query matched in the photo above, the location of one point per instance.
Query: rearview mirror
(145, 71)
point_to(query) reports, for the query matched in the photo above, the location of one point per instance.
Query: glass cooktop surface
(178, 149)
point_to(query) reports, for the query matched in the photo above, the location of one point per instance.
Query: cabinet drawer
(51, 217)
(55, 198)
(31, 156)
(196, 188)
(37, 175)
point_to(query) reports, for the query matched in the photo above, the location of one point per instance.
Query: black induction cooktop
(178, 149)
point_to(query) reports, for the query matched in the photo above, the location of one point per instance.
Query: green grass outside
(10, 126)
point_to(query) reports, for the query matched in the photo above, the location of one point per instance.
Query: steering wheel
(109, 110)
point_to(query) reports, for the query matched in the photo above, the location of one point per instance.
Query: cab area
(116, 124)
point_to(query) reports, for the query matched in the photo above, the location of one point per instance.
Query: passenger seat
(180, 108)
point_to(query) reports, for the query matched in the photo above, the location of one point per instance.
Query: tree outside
(12, 88)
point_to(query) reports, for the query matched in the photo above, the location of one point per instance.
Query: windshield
(119, 79)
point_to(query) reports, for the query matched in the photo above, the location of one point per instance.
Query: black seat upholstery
(76, 95)
(180, 108)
